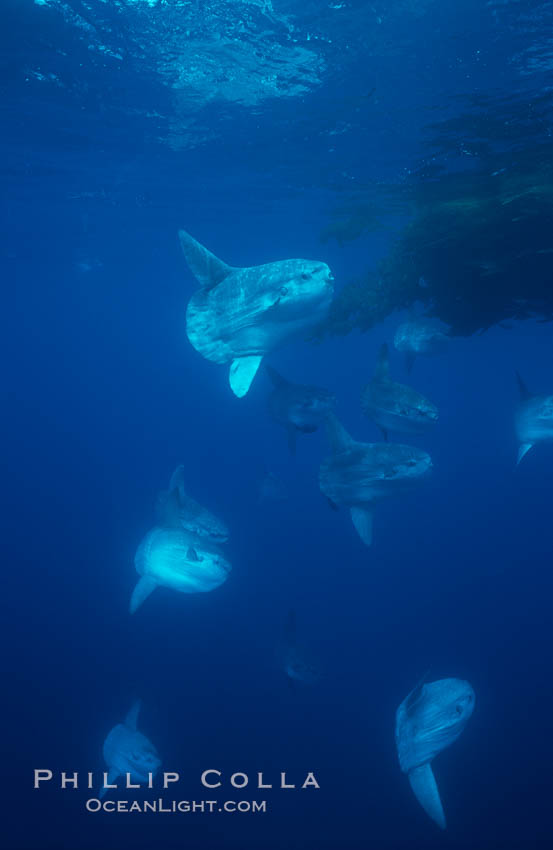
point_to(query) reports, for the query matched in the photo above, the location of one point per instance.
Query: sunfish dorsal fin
(242, 373)
(525, 393)
(415, 696)
(132, 717)
(177, 480)
(145, 586)
(382, 370)
(338, 437)
(426, 791)
(276, 377)
(362, 519)
(169, 512)
(208, 269)
(522, 449)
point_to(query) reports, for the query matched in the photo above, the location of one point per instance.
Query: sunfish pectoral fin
(242, 373)
(112, 776)
(426, 791)
(131, 719)
(362, 519)
(145, 586)
(522, 449)
(208, 269)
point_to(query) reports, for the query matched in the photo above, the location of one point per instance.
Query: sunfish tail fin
(208, 269)
(426, 791)
(522, 449)
(362, 519)
(132, 717)
(525, 393)
(143, 589)
(242, 373)
(382, 370)
(338, 437)
(276, 377)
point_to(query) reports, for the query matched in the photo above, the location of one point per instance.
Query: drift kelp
(240, 314)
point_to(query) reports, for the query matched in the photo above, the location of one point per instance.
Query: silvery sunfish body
(175, 508)
(178, 559)
(298, 407)
(240, 314)
(294, 659)
(534, 419)
(393, 406)
(358, 474)
(420, 336)
(128, 751)
(430, 719)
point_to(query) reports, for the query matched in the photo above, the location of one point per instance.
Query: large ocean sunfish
(358, 474)
(420, 336)
(240, 314)
(428, 720)
(534, 419)
(128, 751)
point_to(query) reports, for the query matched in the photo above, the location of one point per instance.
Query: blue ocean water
(108, 148)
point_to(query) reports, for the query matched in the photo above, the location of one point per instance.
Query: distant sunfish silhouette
(420, 336)
(430, 719)
(534, 419)
(128, 751)
(241, 314)
(175, 508)
(294, 659)
(358, 474)
(393, 406)
(178, 559)
(298, 407)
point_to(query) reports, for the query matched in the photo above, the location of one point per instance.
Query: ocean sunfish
(420, 336)
(128, 751)
(240, 314)
(178, 559)
(175, 508)
(294, 659)
(534, 419)
(299, 408)
(393, 406)
(430, 719)
(358, 474)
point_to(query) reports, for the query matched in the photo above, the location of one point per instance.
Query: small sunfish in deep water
(178, 559)
(420, 336)
(430, 719)
(128, 751)
(534, 419)
(298, 407)
(395, 407)
(241, 314)
(175, 508)
(272, 488)
(294, 659)
(358, 474)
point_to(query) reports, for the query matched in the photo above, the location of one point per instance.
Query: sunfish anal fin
(337, 435)
(362, 519)
(242, 373)
(522, 449)
(132, 717)
(208, 269)
(426, 791)
(382, 370)
(145, 586)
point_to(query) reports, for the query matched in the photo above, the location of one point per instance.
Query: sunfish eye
(305, 276)
(284, 290)
(459, 709)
